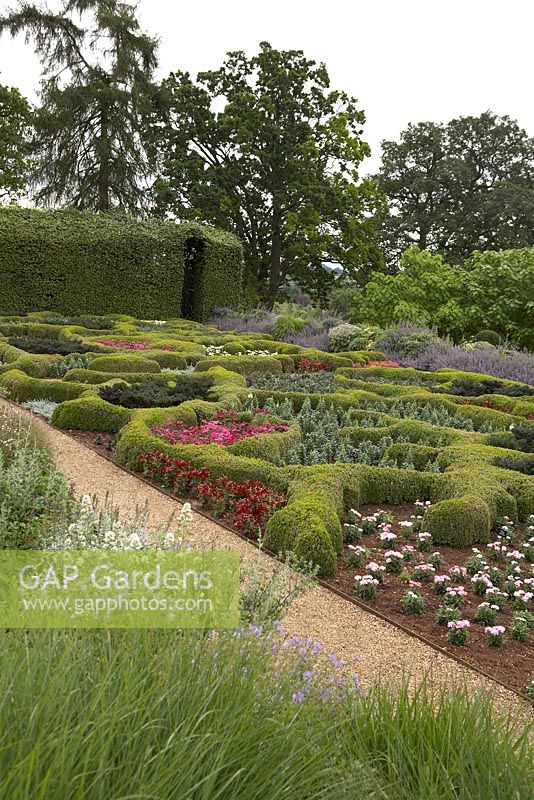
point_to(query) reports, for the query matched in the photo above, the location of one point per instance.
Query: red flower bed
(247, 505)
(223, 431)
(132, 345)
(305, 365)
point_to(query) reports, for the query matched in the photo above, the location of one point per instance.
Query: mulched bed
(103, 443)
(512, 664)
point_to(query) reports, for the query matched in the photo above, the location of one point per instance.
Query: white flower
(135, 542)
(87, 502)
(168, 540)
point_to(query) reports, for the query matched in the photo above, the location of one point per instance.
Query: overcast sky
(405, 60)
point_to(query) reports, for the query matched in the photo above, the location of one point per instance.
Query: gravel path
(344, 629)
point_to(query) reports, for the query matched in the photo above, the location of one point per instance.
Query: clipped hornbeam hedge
(79, 262)
(468, 495)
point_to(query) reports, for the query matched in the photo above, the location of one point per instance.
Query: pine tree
(97, 95)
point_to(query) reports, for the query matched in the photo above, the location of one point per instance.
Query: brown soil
(512, 664)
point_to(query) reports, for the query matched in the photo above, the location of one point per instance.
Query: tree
(426, 290)
(96, 99)
(264, 148)
(460, 187)
(15, 130)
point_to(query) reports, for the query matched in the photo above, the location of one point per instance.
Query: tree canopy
(15, 132)
(455, 188)
(97, 96)
(263, 147)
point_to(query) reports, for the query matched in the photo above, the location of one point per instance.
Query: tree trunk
(423, 239)
(104, 176)
(276, 250)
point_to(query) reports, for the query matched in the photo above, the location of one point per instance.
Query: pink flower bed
(124, 345)
(223, 431)
(132, 345)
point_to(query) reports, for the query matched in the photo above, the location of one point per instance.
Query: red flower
(305, 365)
(247, 505)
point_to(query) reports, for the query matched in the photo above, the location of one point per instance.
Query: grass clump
(191, 714)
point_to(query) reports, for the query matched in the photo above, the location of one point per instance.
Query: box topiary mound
(123, 364)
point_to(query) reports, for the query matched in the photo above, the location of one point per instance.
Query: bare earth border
(383, 649)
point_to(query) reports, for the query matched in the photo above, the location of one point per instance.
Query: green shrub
(459, 522)
(525, 501)
(93, 378)
(470, 387)
(524, 465)
(524, 437)
(91, 414)
(272, 448)
(285, 325)
(299, 528)
(241, 364)
(346, 337)
(22, 387)
(314, 546)
(124, 363)
(307, 382)
(488, 336)
(168, 360)
(51, 346)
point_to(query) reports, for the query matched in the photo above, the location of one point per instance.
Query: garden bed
(512, 664)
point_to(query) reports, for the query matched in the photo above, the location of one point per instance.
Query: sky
(405, 60)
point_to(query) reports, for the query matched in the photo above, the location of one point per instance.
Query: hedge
(22, 387)
(459, 522)
(123, 363)
(91, 414)
(241, 364)
(79, 262)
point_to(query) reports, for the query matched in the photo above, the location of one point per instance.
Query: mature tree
(96, 100)
(460, 187)
(15, 131)
(265, 148)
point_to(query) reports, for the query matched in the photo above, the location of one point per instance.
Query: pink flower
(458, 624)
(495, 630)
